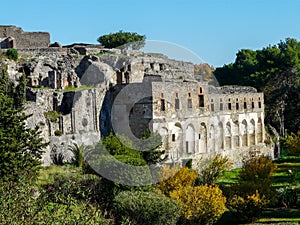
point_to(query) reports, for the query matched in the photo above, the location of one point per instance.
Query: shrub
(247, 209)
(201, 204)
(16, 202)
(70, 189)
(146, 208)
(52, 116)
(287, 196)
(58, 133)
(175, 178)
(257, 170)
(12, 53)
(292, 144)
(211, 168)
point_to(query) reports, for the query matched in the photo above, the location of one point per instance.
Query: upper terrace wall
(15, 37)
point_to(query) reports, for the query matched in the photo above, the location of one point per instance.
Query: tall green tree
(122, 39)
(21, 148)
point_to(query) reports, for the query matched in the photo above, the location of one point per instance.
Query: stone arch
(220, 136)
(259, 131)
(251, 131)
(228, 135)
(177, 139)
(190, 139)
(235, 134)
(244, 133)
(203, 138)
(212, 138)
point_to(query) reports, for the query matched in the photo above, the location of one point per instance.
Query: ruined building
(15, 37)
(130, 92)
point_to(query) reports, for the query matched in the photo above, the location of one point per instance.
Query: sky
(213, 30)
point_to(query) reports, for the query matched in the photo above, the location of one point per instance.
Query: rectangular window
(221, 106)
(252, 105)
(162, 105)
(229, 106)
(173, 137)
(237, 106)
(201, 101)
(176, 103)
(245, 105)
(212, 107)
(259, 104)
(190, 105)
(187, 146)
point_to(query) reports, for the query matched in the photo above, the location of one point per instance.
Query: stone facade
(136, 91)
(15, 37)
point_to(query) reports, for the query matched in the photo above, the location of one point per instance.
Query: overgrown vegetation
(12, 53)
(122, 39)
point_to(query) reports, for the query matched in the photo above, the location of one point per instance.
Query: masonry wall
(23, 40)
(222, 121)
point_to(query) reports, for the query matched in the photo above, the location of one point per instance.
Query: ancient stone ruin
(15, 37)
(91, 91)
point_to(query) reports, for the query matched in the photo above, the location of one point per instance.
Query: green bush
(12, 53)
(52, 116)
(17, 204)
(286, 196)
(146, 208)
(257, 170)
(71, 189)
(58, 133)
(210, 169)
(292, 144)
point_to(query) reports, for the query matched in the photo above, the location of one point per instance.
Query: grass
(81, 88)
(281, 177)
(47, 174)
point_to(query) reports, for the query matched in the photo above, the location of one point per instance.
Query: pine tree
(20, 147)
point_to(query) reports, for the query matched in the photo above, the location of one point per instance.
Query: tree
(274, 70)
(122, 39)
(20, 147)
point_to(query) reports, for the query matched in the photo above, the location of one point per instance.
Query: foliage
(122, 39)
(248, 208)
(256, 174)
(64, 202)
(275, 71)
(18, 92)
(287, 196)
(210, 169)
(119, 145)
(146, 208)
(52, 116)
(58, 133)
(257, 169)
(201, 204)
(20, 147)
(154, 155)
(12, 53)
(292, 144)
(175, 178)
(70, 189)
(79, 152)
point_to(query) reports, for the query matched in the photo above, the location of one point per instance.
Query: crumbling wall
(21, 39)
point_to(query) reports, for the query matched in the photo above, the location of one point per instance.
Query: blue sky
(213, 29)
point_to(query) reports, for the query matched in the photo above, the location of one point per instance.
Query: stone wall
(15, 37)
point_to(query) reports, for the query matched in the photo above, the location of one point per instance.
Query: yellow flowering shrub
(200, 204)
(176, 178)
(249, 208)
